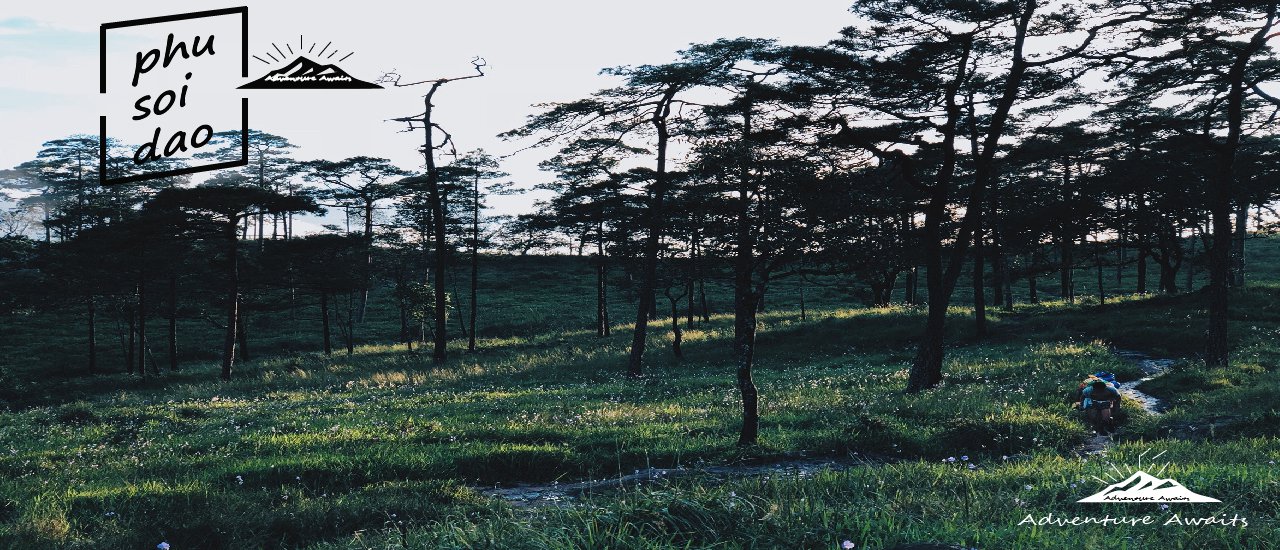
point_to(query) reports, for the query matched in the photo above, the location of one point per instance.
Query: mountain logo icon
(1143, 487)
(305, 74)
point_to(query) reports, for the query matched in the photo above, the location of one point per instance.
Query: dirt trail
(1151, 368)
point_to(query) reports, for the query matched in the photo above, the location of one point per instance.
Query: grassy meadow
(382, 449)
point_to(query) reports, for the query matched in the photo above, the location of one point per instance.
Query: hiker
(1098, 401)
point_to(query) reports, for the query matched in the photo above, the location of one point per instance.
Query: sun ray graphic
(278, 55)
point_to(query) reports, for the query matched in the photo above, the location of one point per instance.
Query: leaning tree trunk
(648, 282)
(926, 369)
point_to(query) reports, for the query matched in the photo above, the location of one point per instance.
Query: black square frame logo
(243, 12)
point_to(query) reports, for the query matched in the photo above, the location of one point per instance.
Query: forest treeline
(1007, 140)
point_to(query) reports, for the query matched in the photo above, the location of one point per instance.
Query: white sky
(537, 52)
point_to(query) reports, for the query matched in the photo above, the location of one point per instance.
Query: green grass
(382, 449)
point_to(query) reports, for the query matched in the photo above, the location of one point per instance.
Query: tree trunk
(997, 273)
(908, 291)
(173, 321)
(745, 300)
(128, 356)
(926, 369)
(744, 333)
(635, 363)
(1168, 278)
(1217, 350)
(142, 321)
(324, 322)
(368, 261)
(676, 334)
(1001, 284)
(1097, 259)
(436, 199)
(695, 272)
(1121, 242)
(351, 326)
(242, 332)
(1006, 282)
(803, 313)
(233, 302)
(1222, 189)
(462, 324)
(979, 287)
(702, 301)
(406, 337)
(878, 295)
(1142, 270)
(1241, 234)
(1191, 265)
(602, 308)
(93, 335)
(475, 263)
(688, 292)
(1066, 268)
